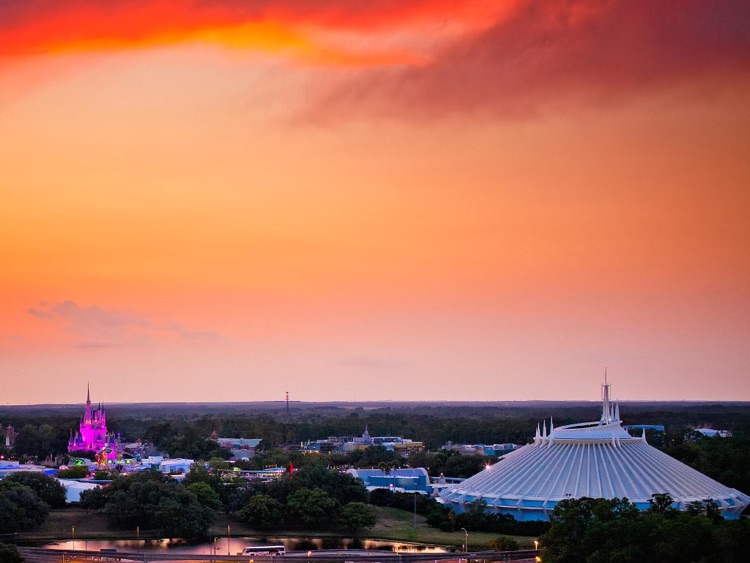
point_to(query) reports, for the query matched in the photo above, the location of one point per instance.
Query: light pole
(466, 539)
(536, 545)
(73, 535)
(228, 537)
(415, 509)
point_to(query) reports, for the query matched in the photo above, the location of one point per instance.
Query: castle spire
(88, 393)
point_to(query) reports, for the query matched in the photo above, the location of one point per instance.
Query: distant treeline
(433, 425)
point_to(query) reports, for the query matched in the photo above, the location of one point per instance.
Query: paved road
(41, 555)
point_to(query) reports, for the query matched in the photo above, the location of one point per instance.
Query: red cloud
(551, 53)
(508, 58)
(43, 26)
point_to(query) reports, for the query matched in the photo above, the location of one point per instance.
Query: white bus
(261, 550)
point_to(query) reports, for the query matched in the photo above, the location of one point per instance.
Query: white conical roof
(597, 459)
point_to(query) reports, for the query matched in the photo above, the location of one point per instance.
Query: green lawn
(398, 525)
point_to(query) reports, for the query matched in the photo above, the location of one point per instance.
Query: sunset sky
(224, 200)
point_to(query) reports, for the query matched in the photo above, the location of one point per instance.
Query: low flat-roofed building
(241, 448)
(409, 480)
(9, 467)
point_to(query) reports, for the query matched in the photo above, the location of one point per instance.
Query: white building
(591, 459)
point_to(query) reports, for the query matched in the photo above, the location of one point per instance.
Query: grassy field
(393, 525)
(398, 525)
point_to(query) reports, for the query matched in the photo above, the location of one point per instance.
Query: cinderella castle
(92, 432)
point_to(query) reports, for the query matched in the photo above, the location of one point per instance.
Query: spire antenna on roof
(606, 408)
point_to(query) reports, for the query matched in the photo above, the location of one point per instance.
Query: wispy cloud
(424, 58)
(97, 327)
(372, 363)
(550, 55)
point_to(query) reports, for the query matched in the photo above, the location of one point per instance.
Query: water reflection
(236, 545)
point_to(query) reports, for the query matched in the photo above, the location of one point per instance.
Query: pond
(236, 545)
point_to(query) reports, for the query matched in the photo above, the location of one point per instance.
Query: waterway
(233, 546)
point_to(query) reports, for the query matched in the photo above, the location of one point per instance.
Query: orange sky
(223, 200)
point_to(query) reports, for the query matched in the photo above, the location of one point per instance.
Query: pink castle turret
(92, 432)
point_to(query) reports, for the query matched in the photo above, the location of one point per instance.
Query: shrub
(503, 543)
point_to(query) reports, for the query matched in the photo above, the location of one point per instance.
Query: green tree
(357, 516)
(503, 543)
(236, 493)
(375, 455)
(477, 517)
(262, 512)
(20, 508)
(661, 503)
(206, 496)
(93, 499)
(181, 515)
(569, 539)
(442, 517)
(151, 500)
(342, 486)
(47, 488)
(40, 441)
(75, 472)
(603, 531)
(9, 554)
(312, 508)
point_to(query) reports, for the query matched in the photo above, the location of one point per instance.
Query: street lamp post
(415, 509)
(466, 539)
(73, 535)
(228, 537)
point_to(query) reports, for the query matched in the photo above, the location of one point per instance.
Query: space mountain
(591, 459)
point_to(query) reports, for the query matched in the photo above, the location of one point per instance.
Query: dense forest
(431, 423)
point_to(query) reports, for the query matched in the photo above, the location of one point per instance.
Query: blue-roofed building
(486, 450)
(412, 480)
(9, 467)
(403, 446)
(654, 427)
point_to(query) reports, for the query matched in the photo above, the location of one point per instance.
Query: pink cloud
(97, 327)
